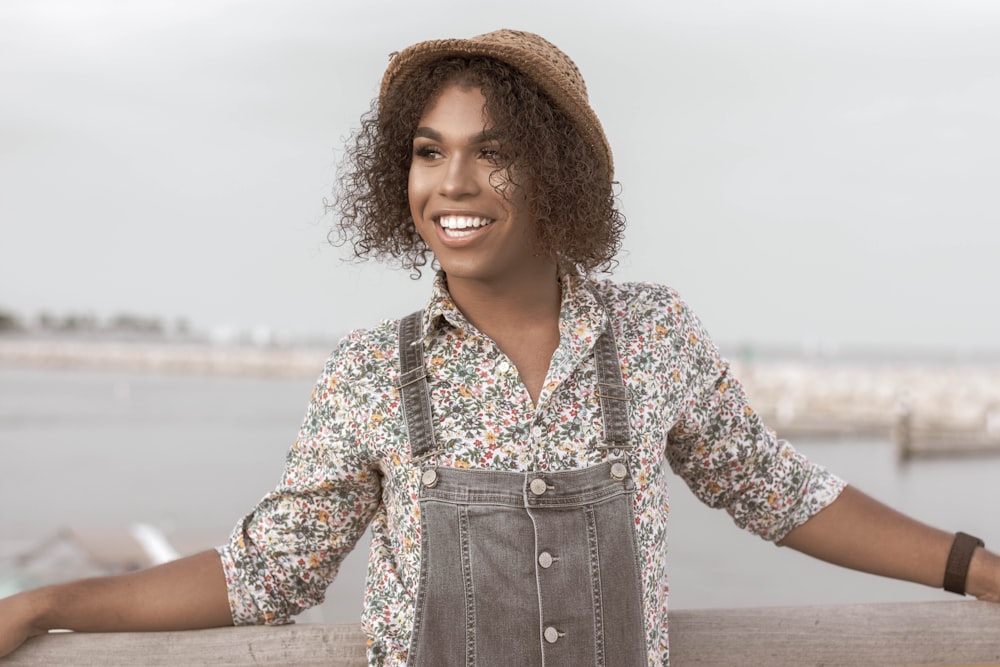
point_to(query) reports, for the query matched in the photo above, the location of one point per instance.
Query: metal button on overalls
(545, 559)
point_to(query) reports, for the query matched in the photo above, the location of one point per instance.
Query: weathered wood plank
(295, 645)
(908, 634)
(869, 635)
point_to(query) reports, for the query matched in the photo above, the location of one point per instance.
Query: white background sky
(801, 172)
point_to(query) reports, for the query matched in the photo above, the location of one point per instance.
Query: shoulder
(366, 355)
(654, 317)
(643, 303)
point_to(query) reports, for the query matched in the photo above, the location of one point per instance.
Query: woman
(507, 443)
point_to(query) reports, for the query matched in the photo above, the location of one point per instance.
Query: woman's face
(476, 233)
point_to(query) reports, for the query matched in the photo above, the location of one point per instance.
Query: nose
(459, 179)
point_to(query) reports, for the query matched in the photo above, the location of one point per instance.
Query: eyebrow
(483, 137)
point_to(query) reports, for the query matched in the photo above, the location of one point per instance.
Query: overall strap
(414, 393)
(611, 390)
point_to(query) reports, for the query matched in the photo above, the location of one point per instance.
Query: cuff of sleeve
(821, 487)
(241, 603)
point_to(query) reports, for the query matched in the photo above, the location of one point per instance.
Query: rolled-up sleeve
(730, 459)
(282, 556)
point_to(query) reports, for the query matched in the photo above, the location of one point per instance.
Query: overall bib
(525, 568)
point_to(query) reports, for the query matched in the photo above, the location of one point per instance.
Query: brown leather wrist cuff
(957, 569)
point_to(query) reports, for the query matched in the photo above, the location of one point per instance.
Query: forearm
(858, 532)
(184, 594)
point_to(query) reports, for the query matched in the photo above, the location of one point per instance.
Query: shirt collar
(441, 310)
(582, 315)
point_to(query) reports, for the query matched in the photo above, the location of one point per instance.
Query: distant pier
(926, 409)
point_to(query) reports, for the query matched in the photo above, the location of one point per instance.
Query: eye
(493, 156)
(427, 152)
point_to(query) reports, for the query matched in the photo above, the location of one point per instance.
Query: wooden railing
(869, 635)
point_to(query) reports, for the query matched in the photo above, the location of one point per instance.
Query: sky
(817, 174)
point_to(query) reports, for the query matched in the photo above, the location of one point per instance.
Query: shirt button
(429, 478)
(503, 367)
(545, 559)
(618, 471)
(538, 486)
(551, 635)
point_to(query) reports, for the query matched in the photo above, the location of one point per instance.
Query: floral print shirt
(350, 466)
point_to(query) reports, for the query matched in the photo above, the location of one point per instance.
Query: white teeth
(463, 224)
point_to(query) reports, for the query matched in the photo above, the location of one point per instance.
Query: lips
(460, 226)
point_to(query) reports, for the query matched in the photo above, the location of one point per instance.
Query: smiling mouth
(459, 226)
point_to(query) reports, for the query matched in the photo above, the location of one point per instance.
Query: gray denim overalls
(536, 568)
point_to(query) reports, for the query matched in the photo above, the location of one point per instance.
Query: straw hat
(540, 60)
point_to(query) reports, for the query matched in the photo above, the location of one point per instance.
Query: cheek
(416, 192)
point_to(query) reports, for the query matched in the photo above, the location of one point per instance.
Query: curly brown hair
(572, 197)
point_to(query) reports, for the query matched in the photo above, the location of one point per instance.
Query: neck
(532, 298)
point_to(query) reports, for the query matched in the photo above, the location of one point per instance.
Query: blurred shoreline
(164, 356)
(946, 398)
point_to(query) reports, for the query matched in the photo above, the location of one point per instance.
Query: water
(192, 454)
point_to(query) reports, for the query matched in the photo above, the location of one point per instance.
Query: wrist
(38, 607)
(983, 580)
(24, 611)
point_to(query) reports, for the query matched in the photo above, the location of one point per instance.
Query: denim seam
(458, 498)
(470, 603)
(421, 595)
(595, 585)
(461, 498)
(592, 498)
